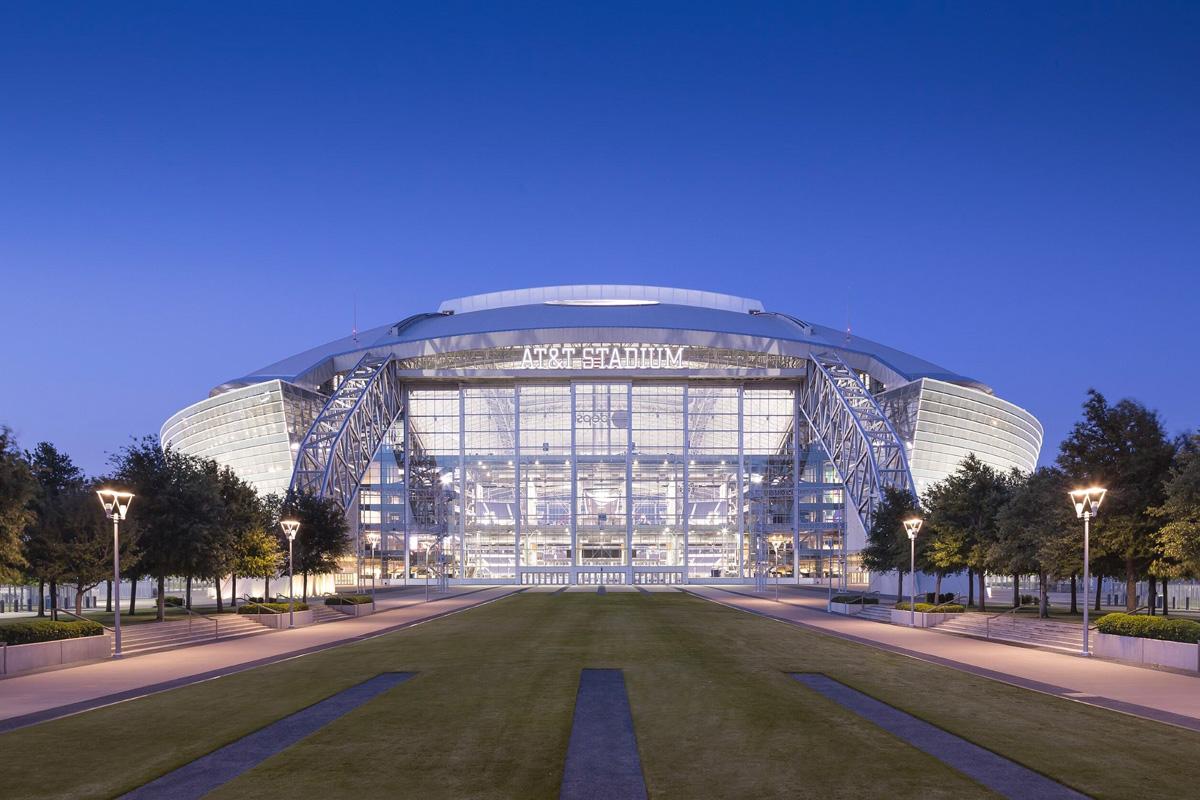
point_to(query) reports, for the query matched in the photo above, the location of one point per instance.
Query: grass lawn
(716, 715)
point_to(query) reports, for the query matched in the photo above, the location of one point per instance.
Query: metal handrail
(85, 619)
(1013, 611)
(191, 614)
(246, 597)
(954, 600)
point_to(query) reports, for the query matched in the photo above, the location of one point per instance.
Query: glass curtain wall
(615, 482)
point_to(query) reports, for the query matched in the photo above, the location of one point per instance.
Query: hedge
(855, 600)
(270, 608)
(172, 600)
(1145, 627)
(949, 608)
(944, 597)
(348, 600)
(48, 631)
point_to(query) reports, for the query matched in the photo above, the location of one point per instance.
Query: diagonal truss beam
(338, 447)
(860, 441)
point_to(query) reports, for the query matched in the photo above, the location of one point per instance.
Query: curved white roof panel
(600, 294)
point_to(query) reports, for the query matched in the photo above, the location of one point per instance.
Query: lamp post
(373, 539)
(290, 528)
(1087, 503)
(116, 506)
(912, 527)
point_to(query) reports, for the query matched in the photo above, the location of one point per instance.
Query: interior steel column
(796, 485)
(628, 480)
(404, 495)
(575, 560)
(741, 516)
(516, 451)
(462, 489)
(687, 554)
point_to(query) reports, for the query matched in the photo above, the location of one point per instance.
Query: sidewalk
(1164, 696)
(27, 699)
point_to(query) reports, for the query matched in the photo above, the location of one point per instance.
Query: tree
(1178, 537)
(1124, 448)
(323, 537)
(17, 489)
(58, 482)
(249, 548)
(256, 555)
(84, 543)
(176, 507)
(887, 547)
(963, 508)
(1029, 525)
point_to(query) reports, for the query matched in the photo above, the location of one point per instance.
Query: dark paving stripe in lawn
(221, 766)
(997, 773)
(602, 755)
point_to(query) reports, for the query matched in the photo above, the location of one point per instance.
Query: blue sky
(190, 192)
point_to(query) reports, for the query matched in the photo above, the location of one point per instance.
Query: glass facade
(602, 482)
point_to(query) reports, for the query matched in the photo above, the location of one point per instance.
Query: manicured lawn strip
(715, 711)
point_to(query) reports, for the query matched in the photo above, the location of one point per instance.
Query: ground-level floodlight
(912, 527)
(373, 540)
(1087, 503)
(116, 506)
(290, 528)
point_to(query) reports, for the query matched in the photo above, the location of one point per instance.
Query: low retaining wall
(355, 609)
(1155, 652)
(281, 620)
(924, 619)
(23, 657)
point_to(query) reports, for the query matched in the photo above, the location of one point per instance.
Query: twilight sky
(189, 193)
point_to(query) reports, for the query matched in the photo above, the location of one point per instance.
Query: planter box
(923, 618)
(23, 657)
(1155, 652)
(846, 608)
(355, 609)
(281, 620)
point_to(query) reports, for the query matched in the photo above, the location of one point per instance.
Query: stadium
(604, 434)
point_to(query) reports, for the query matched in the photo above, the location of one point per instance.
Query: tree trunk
(1166, 603)
(132, 593)
(1096, 599)
(970, 587)
(304, 598)
(187, 593)
(108, 597)
(1152, 594)
(1016, 590)
(1043, 595)
(233, 591)
(162, 601)
(219, 606)
(937, 587)
(53, 599)
(41, 598)
(982, 591)
(1130, 587)
(1074, 596)
(79, 598)
(266, 587)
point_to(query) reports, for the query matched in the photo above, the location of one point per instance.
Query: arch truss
(338, 447)
(860, 441)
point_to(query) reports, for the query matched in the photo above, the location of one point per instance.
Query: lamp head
(115, 502)
(1087, 501)
(373, 539)
(913, 526)
(290, 528)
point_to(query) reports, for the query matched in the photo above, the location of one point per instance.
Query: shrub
(1029, 599)
(48, 631)
(270, 608)
(944, 597)
(949, 608)
(1144, 627)
(855, 599)
(172, 600)
(348, 600)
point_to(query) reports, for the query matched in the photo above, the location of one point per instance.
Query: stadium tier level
(615, 434)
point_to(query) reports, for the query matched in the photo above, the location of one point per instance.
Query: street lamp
(912, 527)
(1087, 503)
(116, 506)
(373, 542)
(290, 528)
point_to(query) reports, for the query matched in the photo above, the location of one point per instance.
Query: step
(140, 649)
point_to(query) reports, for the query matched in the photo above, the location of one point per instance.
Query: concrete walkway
(28, 699)
(1160, 695)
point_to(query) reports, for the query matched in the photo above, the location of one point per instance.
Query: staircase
(878, 613)
(150, 637)
(1020, 630)
(324, 613)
